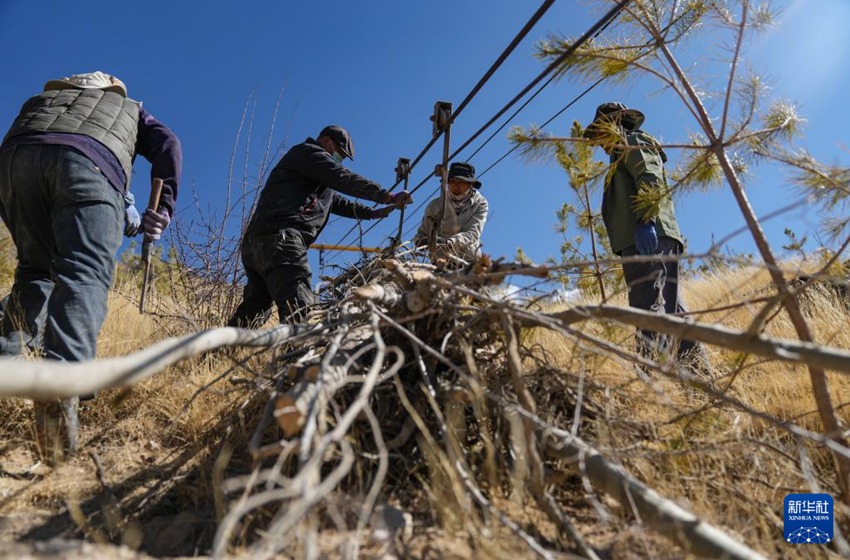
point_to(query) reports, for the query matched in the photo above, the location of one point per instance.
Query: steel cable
(544, 7)
(598, 27)
(552, 118)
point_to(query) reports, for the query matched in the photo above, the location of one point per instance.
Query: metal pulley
(402, 174)
(402, 170)
(442, 117)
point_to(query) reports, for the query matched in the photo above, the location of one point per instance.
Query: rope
(552, 118)
(510, 48)
(484, 79)
(509, 152)
(597, 28)
(473, 92)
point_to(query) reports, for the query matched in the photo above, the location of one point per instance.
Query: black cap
(342, 139)
(630, 119)
(465, 172)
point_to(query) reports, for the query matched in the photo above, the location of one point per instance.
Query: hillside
(447, 448)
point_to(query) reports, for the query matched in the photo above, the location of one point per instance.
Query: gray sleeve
(471, 235)
(431, 213)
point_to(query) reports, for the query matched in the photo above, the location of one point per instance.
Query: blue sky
(377, 67)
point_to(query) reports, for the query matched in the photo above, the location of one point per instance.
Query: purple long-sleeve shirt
(155, 141)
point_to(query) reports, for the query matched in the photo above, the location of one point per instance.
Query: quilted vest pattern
(109, 118)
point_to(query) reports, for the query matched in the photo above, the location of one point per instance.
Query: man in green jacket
(637, 165)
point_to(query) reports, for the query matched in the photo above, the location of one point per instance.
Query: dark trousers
(66, 221)
(278, 273)
(654, 286)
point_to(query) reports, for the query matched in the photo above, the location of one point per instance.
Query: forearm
(326, 171)
(161, 147)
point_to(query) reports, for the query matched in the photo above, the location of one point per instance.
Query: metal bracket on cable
(402, 173)
(442, 119)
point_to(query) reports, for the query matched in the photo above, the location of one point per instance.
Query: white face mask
(458, 199)
(337, 157)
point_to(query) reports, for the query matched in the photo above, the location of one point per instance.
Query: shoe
(17, 344)
(10, 347)
(71, 415)
(57, 428)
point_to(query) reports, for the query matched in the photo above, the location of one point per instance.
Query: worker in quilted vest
(648, 238)
(65, 168)
(456, 224)
(18, 343)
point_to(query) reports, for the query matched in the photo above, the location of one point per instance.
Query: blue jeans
(653, 284)
(66, 221)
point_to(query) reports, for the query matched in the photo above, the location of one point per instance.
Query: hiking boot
(57, 428)
(14, 344)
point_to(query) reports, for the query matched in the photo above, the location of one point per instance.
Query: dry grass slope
(154, 457)
(729, 467)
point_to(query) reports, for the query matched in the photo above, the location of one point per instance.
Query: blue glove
(646, 238)
(154, 223)
(132, 220)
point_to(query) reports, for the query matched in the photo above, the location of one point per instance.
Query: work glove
(422, 242)
(132, 220)
(398, 199)
(378, 213)
(646, 238)
(154, 223)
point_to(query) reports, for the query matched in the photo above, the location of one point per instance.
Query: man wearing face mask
(461, 226)
(304, 188)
